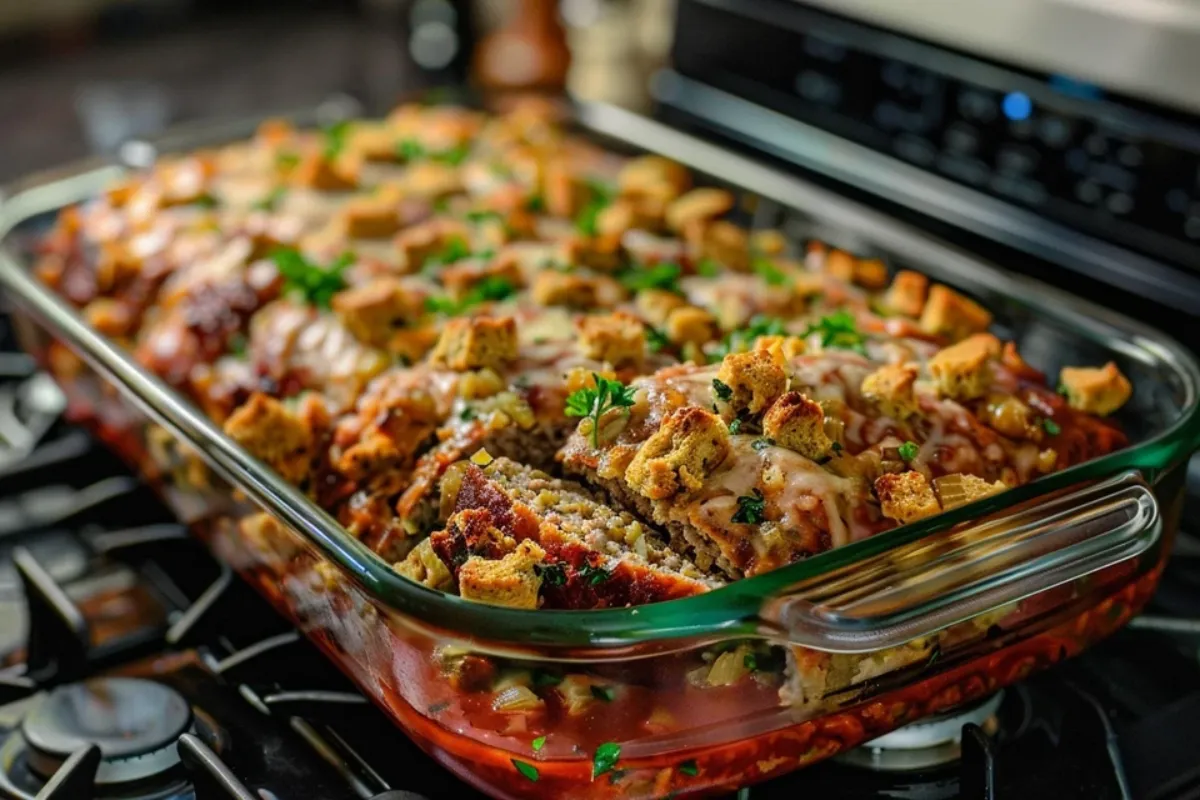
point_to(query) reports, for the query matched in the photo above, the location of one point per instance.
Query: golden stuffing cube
(685, 450)
(890, 388)
(950, 314)
(650, 174)
(798, 423)
(907, 294)
(511, 581)
(750, 381)
(1095, 390)
(274, 435)
(960, 489)
(655, 305)
(781, 348)
(698, 205)
(374, 311)
(906, 497)
(552, 288)
(316, 171)
(476, 342)
(870, 273)
(371, 216)
(618, 338)
(963, 371)
(690, 324)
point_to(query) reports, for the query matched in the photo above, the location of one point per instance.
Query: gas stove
(135, 666)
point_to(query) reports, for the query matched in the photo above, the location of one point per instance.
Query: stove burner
(135, 723)
(929, 742)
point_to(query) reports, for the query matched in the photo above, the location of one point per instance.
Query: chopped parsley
(528, 770)
(310, 282)
(656, 340)
(750, 661)
(237, 345)
(762, 443)
(551, 575)
(742, 340)
(206, 200)
(1063, 390)
(272, 200)
(605, 758)
(769, 272)
(735, 425)
(908, 451)
(663, 276)
(722, 390)
(335, 139)
(535, 204)
(410, 150)
(593, 576)
(477, 217)
(467, 414)
(538, 743)
(600, 197)
(690, 768)
(605, 693)
(453, 156)
(1051, 427)
(593, 403)
(837, 447)
(286, 159)
(751, 508)
(492, 289)
(708, 268)
(839, 330)
(455, 249)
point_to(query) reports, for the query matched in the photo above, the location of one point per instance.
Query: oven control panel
(1119, 170)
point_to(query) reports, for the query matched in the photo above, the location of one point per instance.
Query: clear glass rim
(730, 611)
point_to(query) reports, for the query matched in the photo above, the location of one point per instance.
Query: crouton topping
(274, 435)
(618, 339)
(753, 381)
(798, 423)
(512, 581)
(691, 325)
(422, 565)
(656, 305)
(476, 342)
(698, 205)
(683, 452)
(963, 371)
(318, 171)
(906, 496)
(890, 388)
(1094, 390)
(372, 217)
(374, 311)
(949, 314)
(907, 294)
(552, 288)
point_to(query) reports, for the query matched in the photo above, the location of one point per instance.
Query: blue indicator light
(1017, 106)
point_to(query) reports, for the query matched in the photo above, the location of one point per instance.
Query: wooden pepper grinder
(528, 52)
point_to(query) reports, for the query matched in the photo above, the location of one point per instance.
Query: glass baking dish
(711, 692)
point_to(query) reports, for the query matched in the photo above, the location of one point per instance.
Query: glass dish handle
(972, 569)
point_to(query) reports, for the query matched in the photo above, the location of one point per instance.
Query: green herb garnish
(237, 345)
(1063, 390)
(467, 414)
(690, 768)
(528, 770)
(312, 283)
(839, 330)
(769, 272)
(605, 693)
(735, 425)
(410, 150)
(455, 249)
(491, 289)
(551, 575)
(708, 268)
(837, 447)
(750, 661)
(335, 138)
(535, 204)
(593, 576)
(908, 450)
(454, 156)
(477, 217)
(272, 200)
(601, 196)
(538, 743)
(722, 390)
(593, 403)
(742, 340)
(206, 200)
(605, 758)
(1051, 427)
(542, 678)
(656, 340)
(751, 508)
(663, 276)
(762, 443)
(286, 159)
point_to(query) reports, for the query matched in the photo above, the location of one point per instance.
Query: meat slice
(589, 555)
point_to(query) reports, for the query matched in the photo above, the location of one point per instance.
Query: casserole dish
(724, 688)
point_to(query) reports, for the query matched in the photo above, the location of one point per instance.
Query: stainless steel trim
(939, 198)
(1143, 48)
